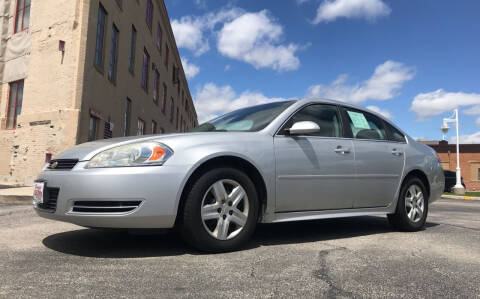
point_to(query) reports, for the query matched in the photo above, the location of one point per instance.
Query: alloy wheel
(224, 209)
(414, 203)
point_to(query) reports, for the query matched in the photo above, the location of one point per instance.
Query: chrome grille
(62, 164)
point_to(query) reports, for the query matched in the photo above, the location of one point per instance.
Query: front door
(315, 171)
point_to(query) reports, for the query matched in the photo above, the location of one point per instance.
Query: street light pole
(458, 188)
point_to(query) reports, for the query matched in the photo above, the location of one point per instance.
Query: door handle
(395, 152)
(341, 150)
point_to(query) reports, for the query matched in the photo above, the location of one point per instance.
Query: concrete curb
(460, 197)
(19, 195)
(16, 199)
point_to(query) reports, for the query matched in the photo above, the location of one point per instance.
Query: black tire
(400, 219)
(192, 226)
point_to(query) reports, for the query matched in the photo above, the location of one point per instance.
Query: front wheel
(221, 211)
(412, 206)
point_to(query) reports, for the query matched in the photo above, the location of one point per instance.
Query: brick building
(469, 161)
(78, 70)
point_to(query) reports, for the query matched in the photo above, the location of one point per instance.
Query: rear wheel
(221, 211)
(412, 206)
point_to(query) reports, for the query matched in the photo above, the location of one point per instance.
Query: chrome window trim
(277, 132)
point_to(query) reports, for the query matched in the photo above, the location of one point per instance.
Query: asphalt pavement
(350, 257)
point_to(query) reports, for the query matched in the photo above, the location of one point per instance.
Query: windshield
(250, 119)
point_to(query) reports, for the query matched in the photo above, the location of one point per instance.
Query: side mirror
(303, 127)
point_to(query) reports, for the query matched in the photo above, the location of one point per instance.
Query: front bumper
(157, 187)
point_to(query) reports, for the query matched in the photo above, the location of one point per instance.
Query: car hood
(86, 151)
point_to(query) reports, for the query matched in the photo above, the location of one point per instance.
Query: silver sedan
(281, 161)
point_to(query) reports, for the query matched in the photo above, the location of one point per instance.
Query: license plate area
(38, 192)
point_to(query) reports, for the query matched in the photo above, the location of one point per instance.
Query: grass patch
(473, 194)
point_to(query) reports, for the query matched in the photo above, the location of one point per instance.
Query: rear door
(314, 171)
(379, 161)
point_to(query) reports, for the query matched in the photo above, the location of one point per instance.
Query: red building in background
(469, 161)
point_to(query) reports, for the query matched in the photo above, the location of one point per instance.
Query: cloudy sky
(412, 61)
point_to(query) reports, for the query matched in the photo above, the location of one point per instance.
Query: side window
(365, 125)
(394, 134)
(325, 116)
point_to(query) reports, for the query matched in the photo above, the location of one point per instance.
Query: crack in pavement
(323, 273)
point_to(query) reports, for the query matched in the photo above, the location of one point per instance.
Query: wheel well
(421, 175)
(230, 161)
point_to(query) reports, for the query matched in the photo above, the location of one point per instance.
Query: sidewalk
(21, 195)
(460, 197)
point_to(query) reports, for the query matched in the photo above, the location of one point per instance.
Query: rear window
(394, 134)
(365, 125)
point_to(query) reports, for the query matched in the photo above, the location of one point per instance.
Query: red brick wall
(469, 161)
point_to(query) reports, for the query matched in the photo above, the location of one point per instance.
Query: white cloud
(188, 34)
(475, 110)
(190, 31)
(473, 138)
(384, 84)
(330, 10)
(477, 122)
(255, 38)
(190, 69)
(438, 102)
(212, 100)
(384, 112)
(200, 3)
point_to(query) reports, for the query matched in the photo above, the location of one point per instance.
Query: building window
(154, 127)
(176, 125)
(172, 110)
(127, 118)
(108, 130)
(475, 171)
(92, 128)
(167, 52)
(149, 13)
(14, 103)
(22, 15)
(100, 41)
(133, 42)
(164, 104)
(159, 38)
(156, 86)
(140, 127)
(145, 69)
(112, 70)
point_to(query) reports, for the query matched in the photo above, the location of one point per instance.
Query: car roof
(330, 101)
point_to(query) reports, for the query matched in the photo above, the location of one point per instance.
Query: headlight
(135, 154)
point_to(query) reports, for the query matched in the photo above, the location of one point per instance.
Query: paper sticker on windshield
(359, 120)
